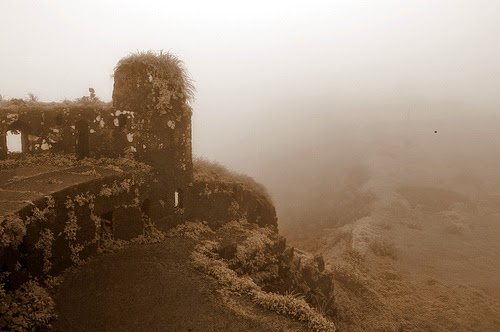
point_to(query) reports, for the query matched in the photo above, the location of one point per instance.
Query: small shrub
(32, 98)
(254, 253)
(12, 231)
(90, 99)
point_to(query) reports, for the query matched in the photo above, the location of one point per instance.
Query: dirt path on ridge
(149, 288)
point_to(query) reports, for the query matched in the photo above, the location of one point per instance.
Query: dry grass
(432, 279)
(167, 65)
(191, 230)
(211, 171)
(205, 258)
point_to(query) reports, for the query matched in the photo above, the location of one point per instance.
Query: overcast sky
(257, 62)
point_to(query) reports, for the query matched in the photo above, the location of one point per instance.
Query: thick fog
(286, 91)
(375, 126)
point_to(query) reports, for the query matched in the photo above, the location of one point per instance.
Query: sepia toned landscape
(270, 166)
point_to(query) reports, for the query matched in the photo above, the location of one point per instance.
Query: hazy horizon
(284, 93)
(264, 63)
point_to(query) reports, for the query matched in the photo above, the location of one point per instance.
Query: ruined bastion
(88, 170)
(85, 177)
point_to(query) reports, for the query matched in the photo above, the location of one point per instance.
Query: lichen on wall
(157, 88)
(62, 128)
(62, 229)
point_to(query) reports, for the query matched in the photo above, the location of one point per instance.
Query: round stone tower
(150, 97)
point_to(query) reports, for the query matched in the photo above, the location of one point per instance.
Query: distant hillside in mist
(411, 194)
(402, 196)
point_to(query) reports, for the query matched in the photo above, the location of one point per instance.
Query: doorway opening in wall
(14, 141)
(82, 146)
(178, 199)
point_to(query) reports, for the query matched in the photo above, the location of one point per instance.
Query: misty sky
(258, 65)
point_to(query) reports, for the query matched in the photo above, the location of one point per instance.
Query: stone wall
(64, 228)
(87, 130)
(149, 121)
(219, 202)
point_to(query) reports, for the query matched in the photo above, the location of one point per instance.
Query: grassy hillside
(410, 228)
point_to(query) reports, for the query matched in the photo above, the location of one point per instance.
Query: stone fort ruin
(88, 170)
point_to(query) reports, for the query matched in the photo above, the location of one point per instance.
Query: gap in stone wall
(14, 141)
(82, 144)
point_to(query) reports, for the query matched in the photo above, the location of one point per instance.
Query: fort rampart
(88, 173)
